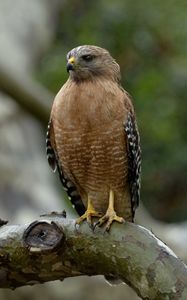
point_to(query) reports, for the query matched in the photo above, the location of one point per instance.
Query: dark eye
(87, 57)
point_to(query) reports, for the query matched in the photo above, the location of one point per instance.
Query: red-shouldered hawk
(93, 139)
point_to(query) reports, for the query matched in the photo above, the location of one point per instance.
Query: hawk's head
(86, 62)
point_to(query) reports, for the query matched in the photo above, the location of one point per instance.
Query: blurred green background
(149, 41)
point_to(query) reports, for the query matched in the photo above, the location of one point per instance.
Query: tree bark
(53, 248)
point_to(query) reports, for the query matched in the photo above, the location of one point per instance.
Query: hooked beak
(71, 64)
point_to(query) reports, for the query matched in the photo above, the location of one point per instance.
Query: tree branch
(173, 234)
(30, 95)
(52, 248)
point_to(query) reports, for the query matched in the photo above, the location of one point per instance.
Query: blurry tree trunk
(29, 94)
(52, 248)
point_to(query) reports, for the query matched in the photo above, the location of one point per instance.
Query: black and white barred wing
(53, 161)
(134, 159)
(51, 157)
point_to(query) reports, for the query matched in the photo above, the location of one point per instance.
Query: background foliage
(148, 39)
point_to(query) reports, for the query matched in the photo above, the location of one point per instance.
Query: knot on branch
(43, 236)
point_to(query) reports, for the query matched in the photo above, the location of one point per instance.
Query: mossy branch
(52, 248)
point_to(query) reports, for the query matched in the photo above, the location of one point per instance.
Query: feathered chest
(88, 105)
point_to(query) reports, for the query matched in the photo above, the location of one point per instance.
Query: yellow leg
(89, 213)
(110, 215)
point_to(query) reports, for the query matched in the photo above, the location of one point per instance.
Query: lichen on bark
(53, 248)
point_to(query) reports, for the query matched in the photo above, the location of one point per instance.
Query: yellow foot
(88, 217)
(89, 213)
(108, 218)
(110, 215)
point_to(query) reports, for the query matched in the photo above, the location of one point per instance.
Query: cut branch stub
(43, 236)
(53, 248)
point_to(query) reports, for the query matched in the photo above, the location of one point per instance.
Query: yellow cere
(71, 60)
